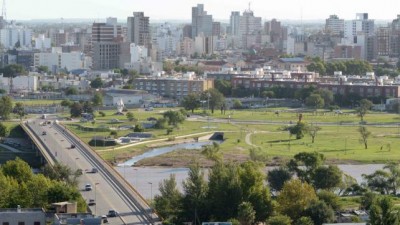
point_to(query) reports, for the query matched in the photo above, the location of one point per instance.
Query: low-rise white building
(19, 83)
(59, 60)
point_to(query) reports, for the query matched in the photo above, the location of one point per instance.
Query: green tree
(138, 128)
(327, 95)
(71, 91)
(6, 106)
(195, 193)
(19, 109)
(304, 164)
(312, 131)
(97, 99)
(315, 101)
(279, 220)
(212, 152)
(225, 192)
(295, 197)
(130, 116)
(96, 83)
(17, 169)
(169, 203)
(304, 221)
(299, 129)
(237, 104)
(382, 212)
(277, 177)
(365, 106)
(327, 178)
(62, 173)
(394, 176)
(13, 70)
(364, 135)
(43, 69)
(214, 99)
(320, 212)
(246, 213)
(76, 109)
(378, 181)
(223, 86)
(191, 102)
(174, 117)
(4, 131)
(66, 103)
(330, 198)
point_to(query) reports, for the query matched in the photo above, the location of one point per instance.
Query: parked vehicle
(91, 202)
(88, 187)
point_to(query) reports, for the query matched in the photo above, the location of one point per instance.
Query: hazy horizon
(307, 10)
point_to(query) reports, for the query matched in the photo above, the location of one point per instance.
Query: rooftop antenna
(4, 10)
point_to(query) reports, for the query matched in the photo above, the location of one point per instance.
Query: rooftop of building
(292, 60)
(21, 210)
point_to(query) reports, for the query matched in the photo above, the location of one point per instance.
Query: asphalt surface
(103, 192)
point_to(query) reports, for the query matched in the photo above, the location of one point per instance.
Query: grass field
(337, 142)
(38, 102)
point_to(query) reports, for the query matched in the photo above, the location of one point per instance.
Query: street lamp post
(135, 177)
(76, 166)
(151, 191)
(95, 198)
(208, 108)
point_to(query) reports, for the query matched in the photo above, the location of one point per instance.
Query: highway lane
(105, 193)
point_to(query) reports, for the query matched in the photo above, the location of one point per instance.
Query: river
(147, 179)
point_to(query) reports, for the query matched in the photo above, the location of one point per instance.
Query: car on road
(44, 133)
(112, 213)
(72, 146)
(88, 187)
(91, 202)
(93, 170)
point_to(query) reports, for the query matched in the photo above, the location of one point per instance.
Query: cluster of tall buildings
(137, 44)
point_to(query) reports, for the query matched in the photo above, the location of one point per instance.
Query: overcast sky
(181, 9)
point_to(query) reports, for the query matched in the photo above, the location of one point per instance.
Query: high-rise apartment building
(234, 23)
(139, 29)
(395, 37)
(250, 29)
(334, 25)
(201, 22)
(360, 24)
(108, 49)
(216, 29)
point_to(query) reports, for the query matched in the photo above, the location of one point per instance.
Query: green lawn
(337, 142)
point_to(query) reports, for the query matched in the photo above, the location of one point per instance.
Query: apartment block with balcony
(173, 87)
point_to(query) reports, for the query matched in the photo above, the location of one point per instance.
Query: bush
(138, 128)
(102, 114)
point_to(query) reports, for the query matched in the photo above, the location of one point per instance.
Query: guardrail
(135, 197)
(50, 158)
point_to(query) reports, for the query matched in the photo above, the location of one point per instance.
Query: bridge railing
(50, 158)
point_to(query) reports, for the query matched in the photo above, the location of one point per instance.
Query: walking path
(10, 148)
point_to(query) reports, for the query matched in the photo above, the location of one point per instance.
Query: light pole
(151, 191)
(208, 108)
(95, 198)
(76, 166)
(135, 177)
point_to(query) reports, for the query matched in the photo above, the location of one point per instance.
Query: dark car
(91, 202)
(112, 213)
(44, 133)
(73, 146)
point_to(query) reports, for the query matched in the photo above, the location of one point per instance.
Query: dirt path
(158, 140)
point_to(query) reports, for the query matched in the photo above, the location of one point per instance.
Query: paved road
(104, 191)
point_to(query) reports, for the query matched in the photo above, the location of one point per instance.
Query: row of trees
(302, 192)
(19, 186)
(351, 67)
(212, 99)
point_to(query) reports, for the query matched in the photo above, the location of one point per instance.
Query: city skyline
(181, 10)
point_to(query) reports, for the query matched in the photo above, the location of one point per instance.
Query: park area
(261, 132)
